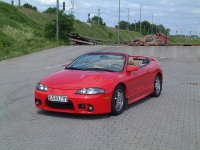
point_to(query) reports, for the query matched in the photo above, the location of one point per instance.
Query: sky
(180, 16)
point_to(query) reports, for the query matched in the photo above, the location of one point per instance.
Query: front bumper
(77, 103)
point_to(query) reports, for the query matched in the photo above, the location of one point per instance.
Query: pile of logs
(78, 39)
(148, 40)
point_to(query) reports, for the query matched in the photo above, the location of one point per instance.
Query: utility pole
(152, 25)
(159, 26)
(72, 9)
(64, 6)
(135, 25)
(57, 33)
(140, 19)
(18, 3)
(98, 14)
(156, 25)
(78, 13)
(119, 23)
(88, 17)
(128, 19)
(181, 32)
(177, 29)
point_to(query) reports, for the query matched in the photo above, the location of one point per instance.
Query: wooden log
(146, 44)
(135, 40)
(150, 43)
(133, 43)
(85, 38)
(142, 40)
(148, 38)
(72, 43)
(139, 43)
(127, 42)
(156, 42)
(161, 43)
(82, 42)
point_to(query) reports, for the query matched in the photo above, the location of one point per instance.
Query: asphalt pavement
(169, 122)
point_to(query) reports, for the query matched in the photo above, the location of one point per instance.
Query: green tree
(51, 10)
(97, 20)
(66, 23)
(29, 6)
(167, 31)
(146, 27)
(135, 25)
(124, 25)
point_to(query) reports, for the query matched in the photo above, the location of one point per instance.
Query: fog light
(81, 106)
(38, 102)
(90, 108)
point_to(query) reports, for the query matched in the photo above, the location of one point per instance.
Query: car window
(112, 62)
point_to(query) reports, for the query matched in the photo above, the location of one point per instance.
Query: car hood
(76, 79)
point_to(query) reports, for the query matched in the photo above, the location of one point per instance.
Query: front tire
(157, 86)
(118, 101)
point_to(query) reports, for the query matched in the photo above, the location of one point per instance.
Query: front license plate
(57, 98)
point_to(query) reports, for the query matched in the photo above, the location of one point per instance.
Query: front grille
(61, 105)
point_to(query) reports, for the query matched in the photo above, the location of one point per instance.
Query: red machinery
(162, 37)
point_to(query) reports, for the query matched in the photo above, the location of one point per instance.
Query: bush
(4, 40)
(66, 23)
(29, 6)
(110, 34)
(51, 10)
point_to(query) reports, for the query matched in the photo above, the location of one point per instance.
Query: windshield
(99, 62)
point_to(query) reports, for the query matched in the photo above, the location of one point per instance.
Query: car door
(149, 76)
(135, 84)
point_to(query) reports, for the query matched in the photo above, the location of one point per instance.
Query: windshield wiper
(99, 69)
(73, 68)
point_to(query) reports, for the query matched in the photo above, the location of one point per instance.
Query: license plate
(57, 98)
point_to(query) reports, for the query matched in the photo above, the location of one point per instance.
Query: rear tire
(118, 101)
(157, 86)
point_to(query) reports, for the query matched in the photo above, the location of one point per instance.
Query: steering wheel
(116, 66)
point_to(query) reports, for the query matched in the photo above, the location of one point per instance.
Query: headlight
(41, 87)
(90, 91)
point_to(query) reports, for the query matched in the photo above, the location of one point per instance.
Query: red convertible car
(100, 82)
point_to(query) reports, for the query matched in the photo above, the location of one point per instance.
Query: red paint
(138, 83)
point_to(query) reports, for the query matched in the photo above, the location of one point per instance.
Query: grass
(22, 32)
(103, 33)
(183, 40)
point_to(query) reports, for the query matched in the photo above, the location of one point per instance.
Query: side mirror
(132, 68)
(66, 65)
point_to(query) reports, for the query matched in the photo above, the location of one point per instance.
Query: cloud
(48, 2)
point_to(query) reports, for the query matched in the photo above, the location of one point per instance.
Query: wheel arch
(161, 76)
(126, 99)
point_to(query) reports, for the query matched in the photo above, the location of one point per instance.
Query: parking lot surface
(169, 122)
